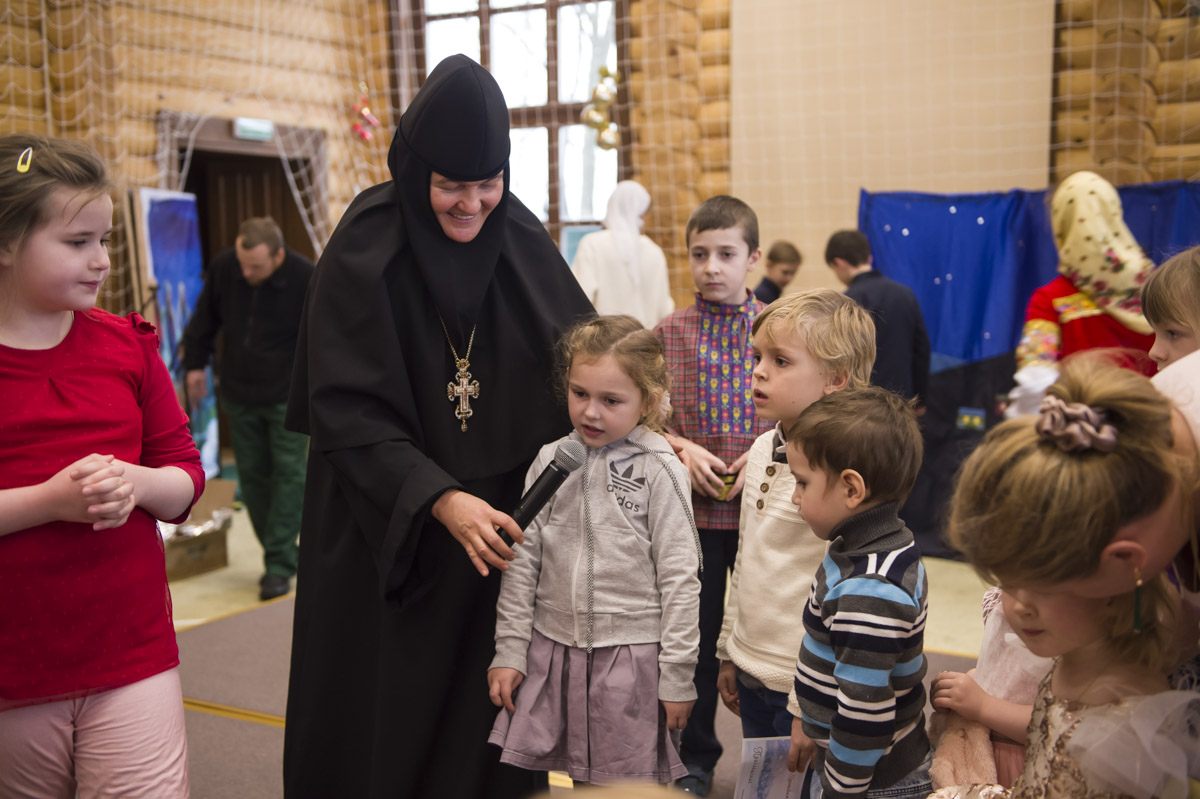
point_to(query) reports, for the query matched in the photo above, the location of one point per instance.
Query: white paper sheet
(764, 773)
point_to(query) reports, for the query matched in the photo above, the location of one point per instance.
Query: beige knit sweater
(776, 560)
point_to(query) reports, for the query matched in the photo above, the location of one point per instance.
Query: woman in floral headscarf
(1096, 299)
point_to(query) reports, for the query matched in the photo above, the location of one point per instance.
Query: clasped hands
(92, 490)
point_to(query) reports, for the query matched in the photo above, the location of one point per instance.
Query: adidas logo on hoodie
(621, 484)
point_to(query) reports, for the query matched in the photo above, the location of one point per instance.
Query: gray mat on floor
(241, 661)
(229, 758)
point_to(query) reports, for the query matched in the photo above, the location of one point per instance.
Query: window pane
(519, 56)
(513, 3)
(529, 177)
(447, 37)
(587, 174)
(450, 6)
(586, 41)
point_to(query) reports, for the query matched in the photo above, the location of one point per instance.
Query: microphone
(569, 456)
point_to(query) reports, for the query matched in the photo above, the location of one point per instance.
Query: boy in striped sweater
(859, 698)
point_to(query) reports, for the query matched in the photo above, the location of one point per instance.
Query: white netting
(794, 105)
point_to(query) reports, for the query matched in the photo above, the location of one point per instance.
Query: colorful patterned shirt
(708, 351)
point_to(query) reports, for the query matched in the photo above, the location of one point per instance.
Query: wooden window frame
(554, 114)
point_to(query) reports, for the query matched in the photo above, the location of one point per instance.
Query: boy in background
(860, 703)
(901, 342)
(783, 261)
(707, 347)
(806, 345)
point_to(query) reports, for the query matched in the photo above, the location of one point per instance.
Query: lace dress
(1140, 746)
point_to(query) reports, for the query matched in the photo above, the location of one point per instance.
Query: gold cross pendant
(462, 389)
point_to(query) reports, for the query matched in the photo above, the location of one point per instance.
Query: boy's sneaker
(697, 783)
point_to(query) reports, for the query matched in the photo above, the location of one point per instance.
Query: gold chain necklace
(462, 388)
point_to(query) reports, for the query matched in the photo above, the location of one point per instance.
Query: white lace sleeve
(1146, 747)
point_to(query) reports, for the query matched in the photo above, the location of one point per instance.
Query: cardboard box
(191, 555)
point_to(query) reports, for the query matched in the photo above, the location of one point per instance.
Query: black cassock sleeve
(351, 392)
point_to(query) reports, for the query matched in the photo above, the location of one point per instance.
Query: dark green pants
(271, 465)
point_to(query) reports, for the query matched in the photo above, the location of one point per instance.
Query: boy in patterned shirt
(708, 351)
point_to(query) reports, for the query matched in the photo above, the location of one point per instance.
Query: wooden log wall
(1127, 98)
(103, 70)
(679, 120)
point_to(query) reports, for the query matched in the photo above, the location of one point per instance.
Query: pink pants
(127, 742)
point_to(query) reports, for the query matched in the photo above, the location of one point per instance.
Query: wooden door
(231, 187)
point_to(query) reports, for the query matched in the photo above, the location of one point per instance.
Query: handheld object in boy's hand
(727, 481)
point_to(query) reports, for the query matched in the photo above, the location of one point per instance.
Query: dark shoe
(273, 585)
(698, 783)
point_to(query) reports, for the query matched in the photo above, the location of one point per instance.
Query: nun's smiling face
(461, 207)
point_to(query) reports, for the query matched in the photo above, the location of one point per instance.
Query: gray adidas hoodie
(644, 559)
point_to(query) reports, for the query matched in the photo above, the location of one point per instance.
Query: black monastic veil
(394, 627)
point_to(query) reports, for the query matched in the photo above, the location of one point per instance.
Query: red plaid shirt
(708, 351)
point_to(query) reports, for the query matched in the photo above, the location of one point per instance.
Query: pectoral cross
(463, 389)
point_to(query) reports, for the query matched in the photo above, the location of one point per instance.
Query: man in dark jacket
(254, 295)
(901, 343)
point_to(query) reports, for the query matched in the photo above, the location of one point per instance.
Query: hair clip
(23, 160)
(1075, 427)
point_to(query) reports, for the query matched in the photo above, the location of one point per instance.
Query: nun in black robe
(394, 625)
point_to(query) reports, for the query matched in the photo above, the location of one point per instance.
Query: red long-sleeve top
(84, 611)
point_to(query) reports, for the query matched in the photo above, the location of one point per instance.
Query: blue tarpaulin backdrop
(973, 260)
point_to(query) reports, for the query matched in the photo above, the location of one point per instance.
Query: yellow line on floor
(240, 714)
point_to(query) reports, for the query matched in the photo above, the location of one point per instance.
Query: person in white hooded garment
(621, 270)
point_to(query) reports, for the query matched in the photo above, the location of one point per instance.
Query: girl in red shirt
(94, 447)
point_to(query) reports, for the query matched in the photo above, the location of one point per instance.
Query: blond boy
(806, 345)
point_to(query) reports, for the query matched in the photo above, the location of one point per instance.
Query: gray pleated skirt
(609, 728)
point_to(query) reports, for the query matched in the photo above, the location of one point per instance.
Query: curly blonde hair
(637, 351)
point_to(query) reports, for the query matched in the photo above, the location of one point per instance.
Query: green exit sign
(253, 129)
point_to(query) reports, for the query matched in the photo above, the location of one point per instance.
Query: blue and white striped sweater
(860, 671)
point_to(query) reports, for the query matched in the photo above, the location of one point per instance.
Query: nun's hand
(474, 524)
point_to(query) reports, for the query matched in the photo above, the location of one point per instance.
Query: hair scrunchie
(1075, 427)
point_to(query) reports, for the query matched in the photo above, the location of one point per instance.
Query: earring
(1137, 600)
